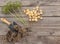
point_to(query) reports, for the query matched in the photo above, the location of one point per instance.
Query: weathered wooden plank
(47, 26)
(36, 40)
(46, 31)
(47, 11)
(33, 2)
(49, 40)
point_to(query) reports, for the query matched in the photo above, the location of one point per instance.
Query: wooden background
(46, 31)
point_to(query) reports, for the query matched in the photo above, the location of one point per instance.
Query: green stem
(20, 18)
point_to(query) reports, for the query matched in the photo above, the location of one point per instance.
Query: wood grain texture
(33, 2)
(42, 27)
(45, 31)
(48, 11)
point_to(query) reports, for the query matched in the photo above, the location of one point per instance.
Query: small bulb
(36, 19)
(41, 12)
(27, 10)
(30, 19)
(33, 19)
(38, 16)
(35, 12)
(35, 15)
(41, 18)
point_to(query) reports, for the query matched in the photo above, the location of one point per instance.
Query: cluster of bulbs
(34, 14)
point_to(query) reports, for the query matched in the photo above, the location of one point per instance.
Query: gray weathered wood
(45, 31)
(42, 27)
(47, 11)
(33, 2)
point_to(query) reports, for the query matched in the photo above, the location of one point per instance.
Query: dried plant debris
(17, 34)
(34, 14)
